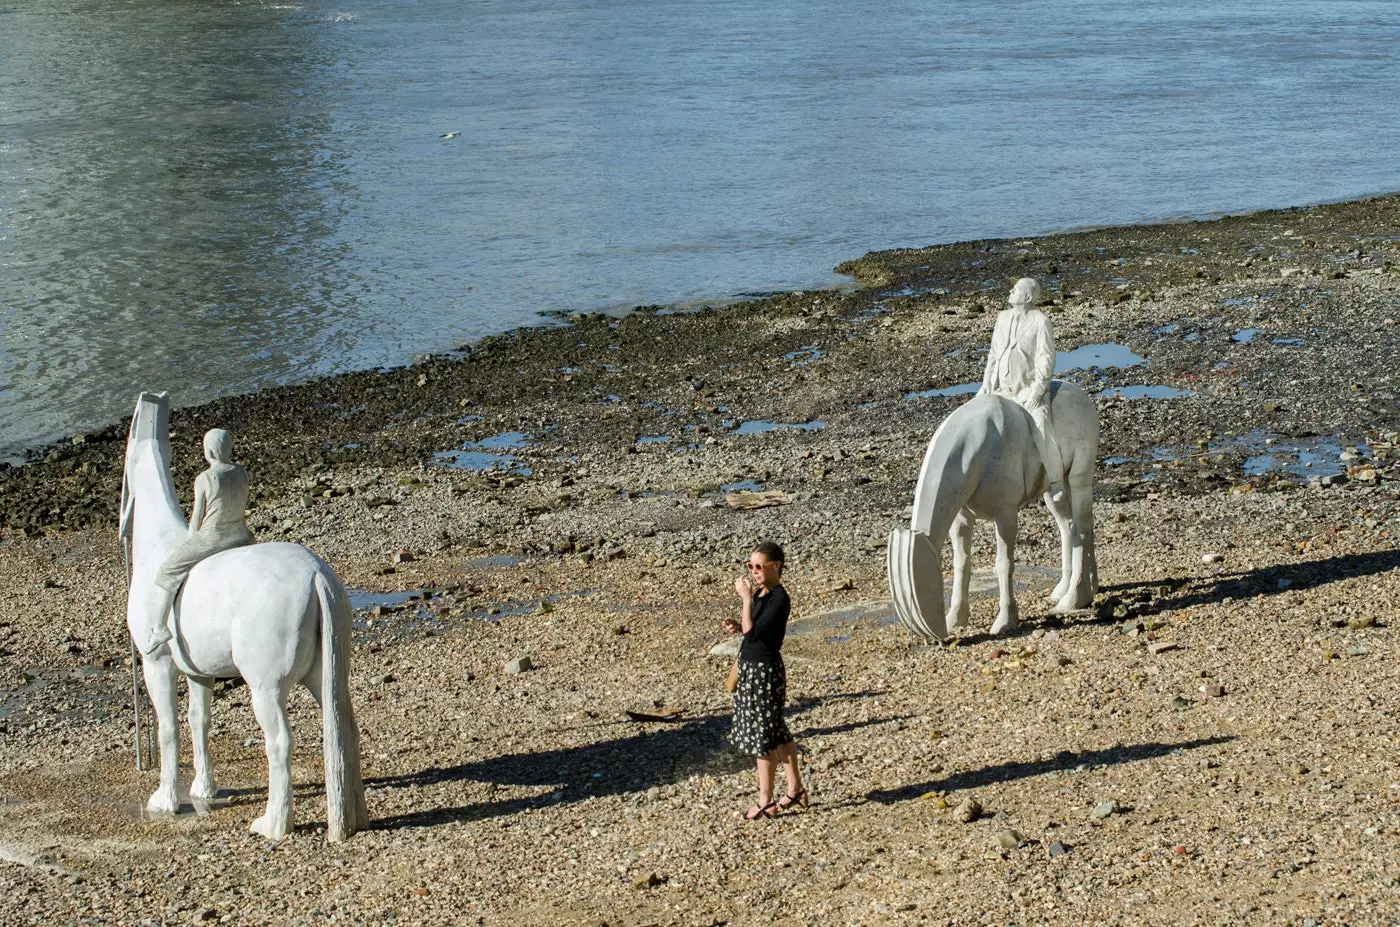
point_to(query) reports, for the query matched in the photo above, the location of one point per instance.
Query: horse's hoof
(1004, 625)
(203, 790)
(163, 803)
(264, 827)
(1058, 592)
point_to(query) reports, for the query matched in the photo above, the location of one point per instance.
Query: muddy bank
(1310, 283)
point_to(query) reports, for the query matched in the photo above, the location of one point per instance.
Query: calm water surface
(212, 197)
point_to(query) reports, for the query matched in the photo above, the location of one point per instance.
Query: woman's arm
(745, 590)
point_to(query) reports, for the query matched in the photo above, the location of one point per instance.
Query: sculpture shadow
(657, 755)
(1257, 583)
(1143, 598)
(1064, 760)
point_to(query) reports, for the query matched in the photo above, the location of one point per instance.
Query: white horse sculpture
(982, 463)
(274, 614)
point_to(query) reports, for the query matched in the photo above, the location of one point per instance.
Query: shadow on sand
(1158, 596)
(657, 755)
(1065, 760)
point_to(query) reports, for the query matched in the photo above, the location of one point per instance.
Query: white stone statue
(983, 463)
(216, 524)
(1019, 366)
(274, 614)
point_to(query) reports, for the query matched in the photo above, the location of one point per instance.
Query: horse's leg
(200, 695)
(961, 536)
(1066, 592)
(1083, 493)
(160, 683)
(1006, 521)
(1064, 521)
(270, 706)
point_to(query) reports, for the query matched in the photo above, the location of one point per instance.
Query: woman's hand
(743, 587)
(730, 626)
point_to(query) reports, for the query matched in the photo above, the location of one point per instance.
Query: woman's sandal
(787, 801)
(762, 811)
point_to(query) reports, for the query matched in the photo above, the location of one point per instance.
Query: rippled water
(210, 197)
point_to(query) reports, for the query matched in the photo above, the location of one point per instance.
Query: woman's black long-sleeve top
(763, 642)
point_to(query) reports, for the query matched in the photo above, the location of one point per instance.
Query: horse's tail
(345, 791)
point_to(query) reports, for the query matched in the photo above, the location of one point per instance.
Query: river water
(208, 197)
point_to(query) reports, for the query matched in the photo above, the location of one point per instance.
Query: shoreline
(959, 282)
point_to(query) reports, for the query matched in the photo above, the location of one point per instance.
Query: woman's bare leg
(766, 768)
(787, 755)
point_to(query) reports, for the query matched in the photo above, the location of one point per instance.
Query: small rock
(1058, 849)
(383, 680)
(402, 555)
(1213, 690)
(651, 881)
(1009, 839)
(1356, 624)
(727, 648)
(1105, 809)
(519, 665)
(1212, 558)
(1162, 647)
(967, 811)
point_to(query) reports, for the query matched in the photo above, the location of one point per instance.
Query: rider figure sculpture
(216, 524)
(1020, 365)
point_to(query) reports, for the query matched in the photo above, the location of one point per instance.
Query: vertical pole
(136, 705)
(136, 688)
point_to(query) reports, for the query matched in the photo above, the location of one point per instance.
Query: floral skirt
(759, 727)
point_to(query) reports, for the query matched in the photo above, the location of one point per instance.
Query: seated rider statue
(1020, 365)
(216, 524)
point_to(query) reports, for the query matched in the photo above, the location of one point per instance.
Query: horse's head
(148, 439)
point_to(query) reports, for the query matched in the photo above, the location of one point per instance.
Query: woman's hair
(771, 551)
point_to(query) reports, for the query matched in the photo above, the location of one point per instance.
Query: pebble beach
(1212, 742)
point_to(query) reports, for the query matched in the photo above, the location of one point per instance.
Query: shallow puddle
(1097, 356)
(479, 460)
(805, 355)
(758, 426)
(1263, 453)
(654, 439)
(742, 486)
(435, 610)
(1144, 392)
(486, 454)
(199, 807)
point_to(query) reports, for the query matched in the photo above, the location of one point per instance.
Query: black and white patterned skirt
(759, 727)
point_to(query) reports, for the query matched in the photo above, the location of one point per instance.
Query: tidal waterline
(212, 198)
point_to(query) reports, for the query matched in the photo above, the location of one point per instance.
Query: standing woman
(759, 728)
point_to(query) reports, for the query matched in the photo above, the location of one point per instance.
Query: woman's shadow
(657, 755)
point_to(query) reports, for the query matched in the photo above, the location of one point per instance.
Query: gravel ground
(1211, 743)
